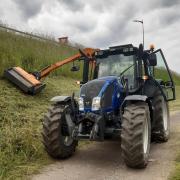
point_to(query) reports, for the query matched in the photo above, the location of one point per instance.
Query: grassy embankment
(32, 54)
(21, 151)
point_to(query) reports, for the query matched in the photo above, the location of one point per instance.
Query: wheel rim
(68, 140)
(145, 136)
(165, 114)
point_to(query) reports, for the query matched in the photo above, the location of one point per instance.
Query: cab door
(162, 75)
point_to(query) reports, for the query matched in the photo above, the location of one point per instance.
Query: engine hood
(109, 79)
(95, 87)
(99, 88)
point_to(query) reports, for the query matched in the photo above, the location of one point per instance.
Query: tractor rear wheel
(161, 125)
(135, 136)
(56, 140)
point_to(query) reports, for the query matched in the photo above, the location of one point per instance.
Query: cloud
(29, 8)
(101, 23)
(170, 16)
(168, 3)
(72, 4)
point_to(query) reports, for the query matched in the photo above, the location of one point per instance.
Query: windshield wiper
(126, 69)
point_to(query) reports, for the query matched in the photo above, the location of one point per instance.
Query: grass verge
(21, 151)
(176, 174)
(174, 107)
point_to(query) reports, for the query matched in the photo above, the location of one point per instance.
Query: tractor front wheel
(135, 136)
(57, 142)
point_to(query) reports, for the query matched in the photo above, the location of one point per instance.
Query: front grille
(90, 90)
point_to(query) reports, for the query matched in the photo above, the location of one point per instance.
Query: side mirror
(152, 60)
(169, 83)
(75, 68)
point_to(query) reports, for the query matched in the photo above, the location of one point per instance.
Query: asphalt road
(103, 161)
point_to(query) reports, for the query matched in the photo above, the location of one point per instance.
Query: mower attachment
(30, 83)
(25, 81)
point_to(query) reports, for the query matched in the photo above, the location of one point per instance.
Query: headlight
(81, 104)
(96, 103)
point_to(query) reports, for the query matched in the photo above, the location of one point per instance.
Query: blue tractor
(124, 92)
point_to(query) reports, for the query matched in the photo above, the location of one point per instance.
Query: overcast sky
(101, 23)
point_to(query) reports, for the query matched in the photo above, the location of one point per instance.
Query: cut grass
(21, 150)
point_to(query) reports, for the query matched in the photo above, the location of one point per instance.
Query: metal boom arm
(89, 52)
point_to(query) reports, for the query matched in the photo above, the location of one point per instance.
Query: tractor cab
(120, 61)
(115, 75)
(133, 67)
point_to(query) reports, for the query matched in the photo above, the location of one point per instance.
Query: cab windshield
(118, 65)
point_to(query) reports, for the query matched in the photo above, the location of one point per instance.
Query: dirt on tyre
(57, 142)
(136, 135)
(161, 123)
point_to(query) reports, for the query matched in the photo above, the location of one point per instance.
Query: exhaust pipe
(25, 81)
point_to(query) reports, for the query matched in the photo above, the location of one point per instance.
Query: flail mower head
(25, 81)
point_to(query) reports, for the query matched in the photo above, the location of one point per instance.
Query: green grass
(31, 54)
(176, 173)
(161, 73)
(21, 151)
(175, 106)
